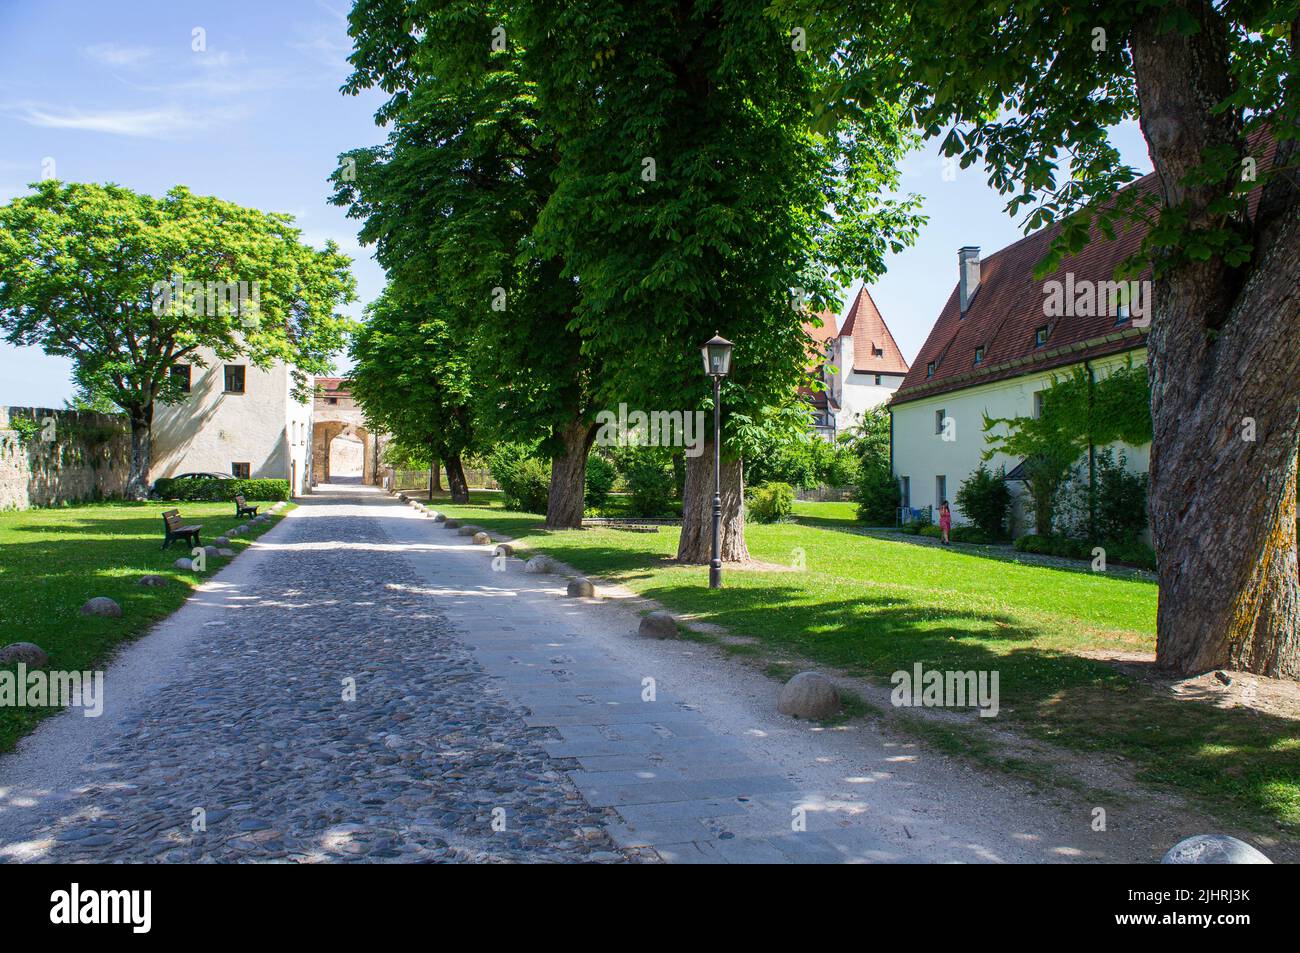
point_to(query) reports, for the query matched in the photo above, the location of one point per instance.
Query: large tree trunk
(697, 509)
(456, 480)
(564, 501)
(137, 481)
(1224, 361)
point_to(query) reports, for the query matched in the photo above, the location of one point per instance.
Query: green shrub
(209, 490)
(770, 502)
(985, 500)
(1054, 546)
(530, 487)
(525, 480)
(650, 483)
(1133, 553)
(877, 497)
(600, 481)
(958, 534)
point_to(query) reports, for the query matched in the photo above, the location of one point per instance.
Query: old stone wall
(61, 456)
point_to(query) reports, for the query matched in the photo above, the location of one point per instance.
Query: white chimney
(968, 275)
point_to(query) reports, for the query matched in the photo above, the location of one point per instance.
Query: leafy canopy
(80, 266)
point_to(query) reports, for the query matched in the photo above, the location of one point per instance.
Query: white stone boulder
(1213, 849)
(658, 625)
(581, 588)
(102, 605)
(540, 565)
(29, 653)
(809, 695)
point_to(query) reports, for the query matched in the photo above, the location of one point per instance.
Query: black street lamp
(717, 363)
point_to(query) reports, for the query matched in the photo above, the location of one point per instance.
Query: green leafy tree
(86, 272)
(1079, 414)
(412, 378)
(985, 500)
(450, 202)
(1033, 93)
(694, 193)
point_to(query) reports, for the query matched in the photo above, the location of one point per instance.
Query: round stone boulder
(28, 653)
(468, 530)
(151, 580)
(233, 532)
(482, 539)
(581, 588)
(227, 553)
(658, 625)
(503, 549)
(1213, 849)
(451, 524)
(222, 541)
(184, 564)
(540, 565)
(402, 497)
(102, 605)
(809, 695)
(211, 551)
(440, 517)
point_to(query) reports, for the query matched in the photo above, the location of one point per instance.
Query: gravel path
(248, 731)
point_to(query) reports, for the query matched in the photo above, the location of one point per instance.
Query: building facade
(234, 418)
(999, 341)
(863, 367)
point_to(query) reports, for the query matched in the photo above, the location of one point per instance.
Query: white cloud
(112, 54)
(154, 123)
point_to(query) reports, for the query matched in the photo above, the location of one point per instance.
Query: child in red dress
(945, 521)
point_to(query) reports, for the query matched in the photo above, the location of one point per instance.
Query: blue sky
(116, 92)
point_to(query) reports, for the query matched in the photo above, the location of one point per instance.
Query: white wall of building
(856, 392)
(211, 430)
(921, 454)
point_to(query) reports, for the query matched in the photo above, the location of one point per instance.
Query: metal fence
(826, 494)
(419, 479)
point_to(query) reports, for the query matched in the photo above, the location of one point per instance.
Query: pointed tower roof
(874, 349)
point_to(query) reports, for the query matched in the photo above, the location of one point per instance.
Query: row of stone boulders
(813, 696)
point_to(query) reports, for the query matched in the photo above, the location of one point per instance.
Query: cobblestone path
(250, 735)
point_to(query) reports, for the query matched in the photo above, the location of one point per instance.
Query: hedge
(1131, 553)
(209, 490)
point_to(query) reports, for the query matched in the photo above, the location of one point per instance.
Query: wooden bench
(242, 508)
(175, 528)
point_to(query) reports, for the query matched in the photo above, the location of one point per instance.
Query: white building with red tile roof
(998, 342)
(863, 368)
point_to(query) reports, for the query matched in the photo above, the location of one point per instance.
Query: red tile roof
(1008, 309)
(870, 333)
(332, 387)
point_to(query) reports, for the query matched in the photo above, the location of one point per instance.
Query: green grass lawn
(826, 514)
(871, 606)
(53, 560)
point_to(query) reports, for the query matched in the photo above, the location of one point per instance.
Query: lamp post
(717, 363)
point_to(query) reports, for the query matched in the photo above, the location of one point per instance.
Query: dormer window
(1040, 336)
(929, 369)
(979, 355)
(877, 351)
